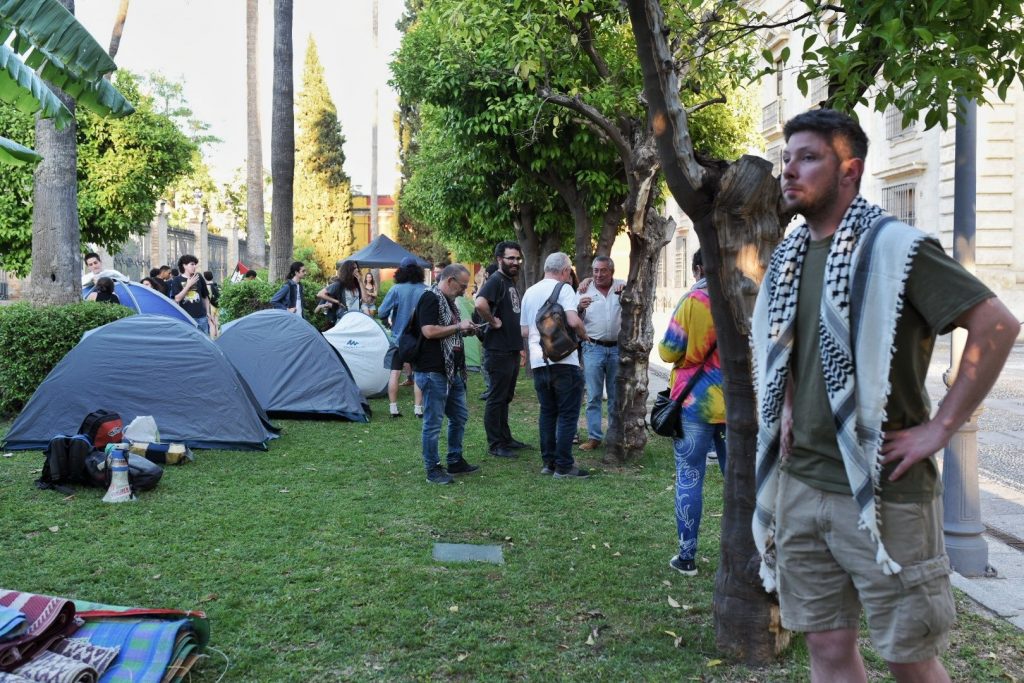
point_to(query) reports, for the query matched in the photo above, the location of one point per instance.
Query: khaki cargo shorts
(827, 570)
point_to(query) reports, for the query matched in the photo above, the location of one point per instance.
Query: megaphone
(120, 489)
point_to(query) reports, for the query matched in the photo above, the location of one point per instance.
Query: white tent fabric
(364, 344)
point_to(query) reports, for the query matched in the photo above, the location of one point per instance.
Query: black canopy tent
(383, 252)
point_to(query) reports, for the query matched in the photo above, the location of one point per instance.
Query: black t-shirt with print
(193, 301)
(500, 291)
(431, 356)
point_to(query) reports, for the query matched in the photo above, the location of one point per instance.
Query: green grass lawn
(313, 562)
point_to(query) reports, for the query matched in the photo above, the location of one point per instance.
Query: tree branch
(686, 177)
(697, 107)
(586, 36)
(592, 115)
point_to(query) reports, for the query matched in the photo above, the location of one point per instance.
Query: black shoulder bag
(665, 413)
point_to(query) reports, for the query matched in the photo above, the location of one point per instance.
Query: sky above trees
(202, 43)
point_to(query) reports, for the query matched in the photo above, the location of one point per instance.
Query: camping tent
(142, 299)
(147, 365)
(383, 252)
(292, 370)
(364, 344)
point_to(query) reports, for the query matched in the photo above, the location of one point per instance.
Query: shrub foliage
(239, 299)
(35, 338)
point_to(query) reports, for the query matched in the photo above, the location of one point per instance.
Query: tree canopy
(124, 166)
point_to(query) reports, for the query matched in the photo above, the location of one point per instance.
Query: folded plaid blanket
(150, 649)
(48, 619)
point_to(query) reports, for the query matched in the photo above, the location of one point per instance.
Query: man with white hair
(559, 384)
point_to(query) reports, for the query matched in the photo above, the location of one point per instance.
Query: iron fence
(218, 257)
(134, 257)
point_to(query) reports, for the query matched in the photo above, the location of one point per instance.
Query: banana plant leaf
(45, 26)
(50, 40)
(16, 155)
(21, 87)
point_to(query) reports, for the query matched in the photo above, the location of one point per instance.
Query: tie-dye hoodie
(686, 343)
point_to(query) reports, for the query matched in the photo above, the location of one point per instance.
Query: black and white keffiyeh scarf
(448, 314)
(863, 291)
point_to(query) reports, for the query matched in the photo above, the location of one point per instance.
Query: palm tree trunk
(256, 228)
(56, 237)
(115, 35)
(282, 142)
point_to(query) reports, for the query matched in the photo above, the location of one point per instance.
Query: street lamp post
(968, 552)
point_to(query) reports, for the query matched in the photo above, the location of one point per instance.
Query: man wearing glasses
(441, 373)
(498, 304)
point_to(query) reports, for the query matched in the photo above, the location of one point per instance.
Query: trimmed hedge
(34, 339)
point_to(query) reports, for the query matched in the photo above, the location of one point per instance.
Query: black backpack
(214, 294)
(410, 341)
(69, 460)
(557, 339)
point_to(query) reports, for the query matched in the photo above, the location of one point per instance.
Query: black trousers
(503, 370)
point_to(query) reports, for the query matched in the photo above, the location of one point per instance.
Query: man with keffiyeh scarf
(440, 369)
(848, 501)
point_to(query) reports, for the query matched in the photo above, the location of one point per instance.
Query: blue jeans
(691, 458)
(203, 324)
(559, 392)
(600, 367)
(439, 399)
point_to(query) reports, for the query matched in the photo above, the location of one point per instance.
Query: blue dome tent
(290, 367)
(147, 365)
(142, 299)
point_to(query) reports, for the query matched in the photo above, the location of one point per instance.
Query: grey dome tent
(364, 345)
(383, 252)
(292, 370)
(147, 365)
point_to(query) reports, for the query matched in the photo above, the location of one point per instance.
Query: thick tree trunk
(256, 228)
(627, 428)
(737, 239)
(56, 237)
(735, 215)
(282, 143)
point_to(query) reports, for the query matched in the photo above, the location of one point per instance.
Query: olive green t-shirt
(938, 291)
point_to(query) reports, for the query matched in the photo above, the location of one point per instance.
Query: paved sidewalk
(1001, 476)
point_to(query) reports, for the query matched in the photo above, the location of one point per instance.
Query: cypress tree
(323, 191)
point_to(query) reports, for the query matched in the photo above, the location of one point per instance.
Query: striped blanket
(48, 619)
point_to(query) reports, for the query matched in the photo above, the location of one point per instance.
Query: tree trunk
(282, 143)
(56, 237)
(611, 221)
(256, 227)
(648, 230)
(115, 35)
(535, 247)
(737, 240)
(735, 214)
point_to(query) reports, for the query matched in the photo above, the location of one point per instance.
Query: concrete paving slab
(468, 552)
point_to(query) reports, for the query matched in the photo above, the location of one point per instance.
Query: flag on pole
(240, 271)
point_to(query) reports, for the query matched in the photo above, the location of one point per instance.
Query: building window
(819, 90)
(779, 67)
(901, 201)
(894, 128)
(774, 155)
(680, 262)
(771, 115)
